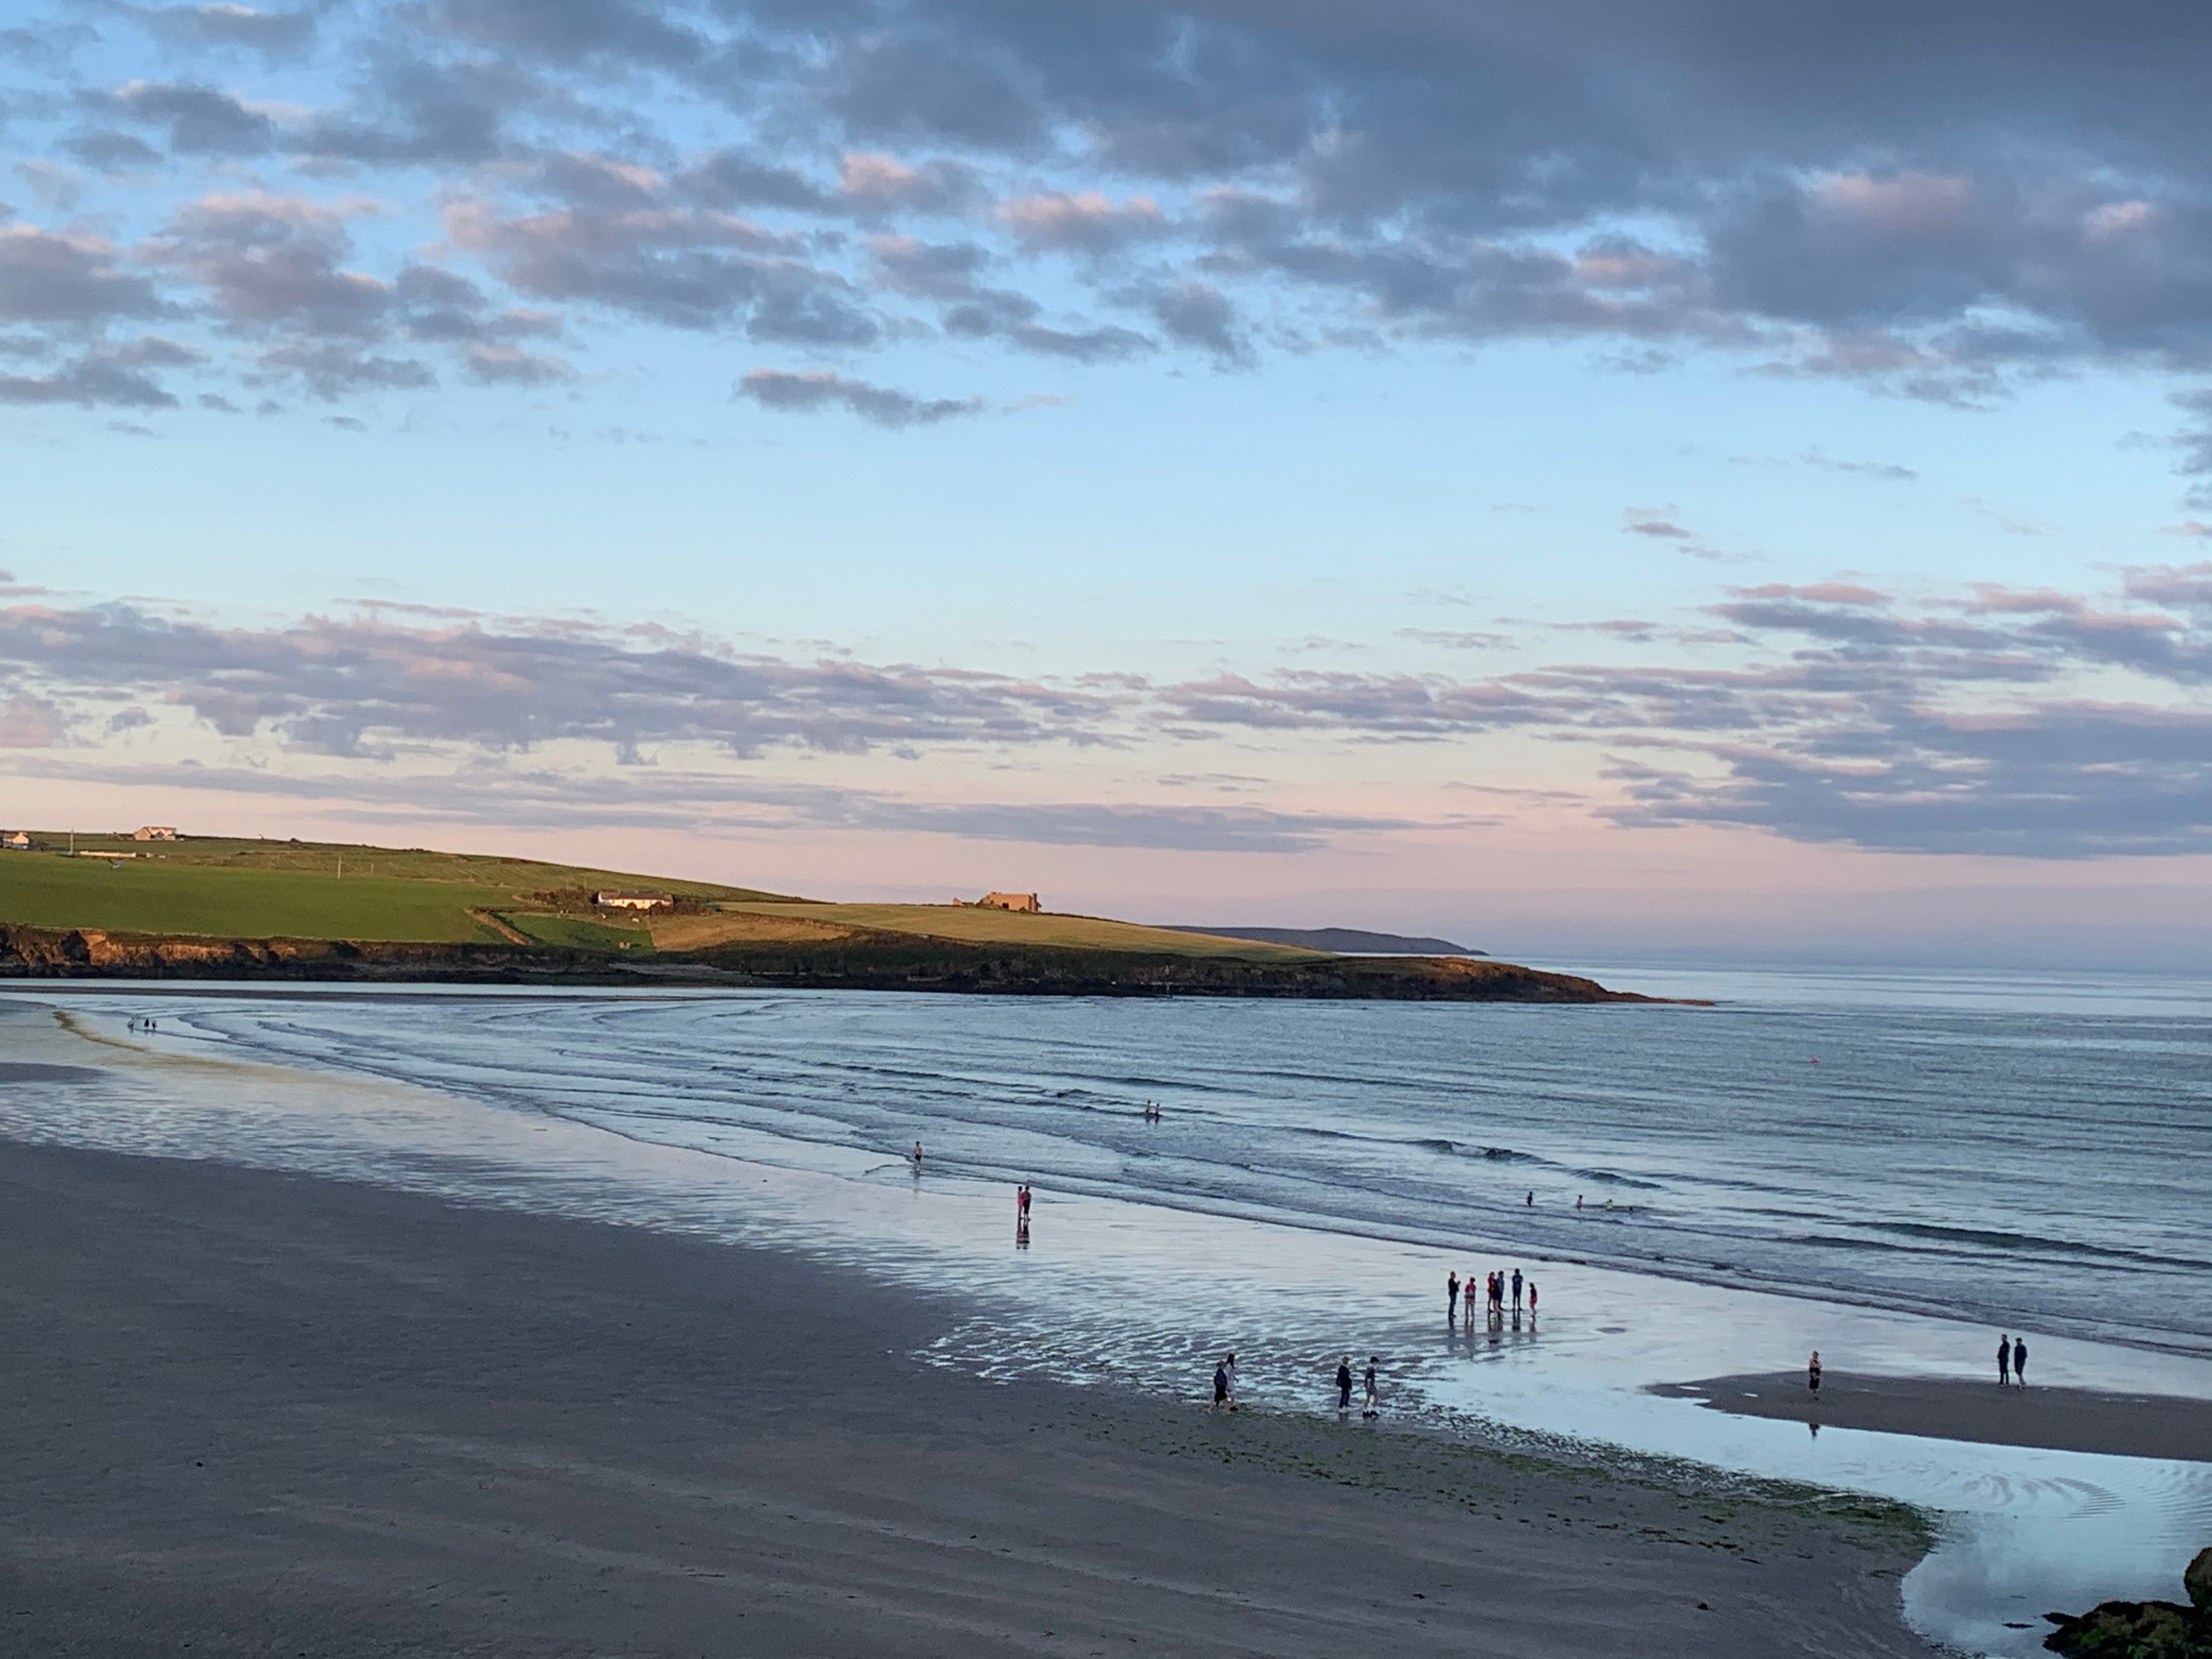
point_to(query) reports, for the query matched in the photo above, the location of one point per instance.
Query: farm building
(154, 832)
(18, 842)
(1004, 901)
(633, 901)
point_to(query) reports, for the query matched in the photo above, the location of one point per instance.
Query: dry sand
(1948, 1409)
(256, 1414)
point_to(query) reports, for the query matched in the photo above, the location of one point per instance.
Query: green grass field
(577, 933)
(228, 889)
(976, 925)
(143, 896)
(481, 870)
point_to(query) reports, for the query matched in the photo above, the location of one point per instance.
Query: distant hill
(1344, 941)
(93, 906)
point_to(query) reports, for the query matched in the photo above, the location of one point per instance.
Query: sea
(1888, 1165)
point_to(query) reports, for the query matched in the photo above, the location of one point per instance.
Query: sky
(1684, 478)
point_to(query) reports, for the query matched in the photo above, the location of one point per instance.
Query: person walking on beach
(2004, 1359)
(2020, 1360)
(917, 1155)
(1232, 1382)
(1451, 1298)
(1516, 1290)
(1221, 1389)
(1021, 1204)
(1531, 1301)
(1373, 1406)
(1812, 1372)
(1344, 1385)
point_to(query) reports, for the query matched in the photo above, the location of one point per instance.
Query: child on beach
(1813, 1373)
(1373, 1403)
(1221, 1389)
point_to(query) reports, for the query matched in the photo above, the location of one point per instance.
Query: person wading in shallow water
(1812, 1372)
(1451, 1299)
(2004, 1360)
(2020, 1360)
(1344, 1385)
(1373, 1407)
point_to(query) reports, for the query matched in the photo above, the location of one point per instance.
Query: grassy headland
(226, 907)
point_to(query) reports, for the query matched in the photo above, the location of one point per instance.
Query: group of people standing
(1495, 1288)
(1224, 1386)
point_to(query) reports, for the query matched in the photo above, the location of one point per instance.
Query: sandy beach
(1947, 1408)
(261, 1413)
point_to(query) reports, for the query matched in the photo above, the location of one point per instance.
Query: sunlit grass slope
(977, 926)
(248, 889)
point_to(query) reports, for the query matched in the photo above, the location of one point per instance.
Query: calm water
(2019, 1150)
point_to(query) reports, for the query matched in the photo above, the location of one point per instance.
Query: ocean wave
(1615, 1178)
(2036, 1242)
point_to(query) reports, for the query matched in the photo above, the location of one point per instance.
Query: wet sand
(1950, 1408)
(256, 1413)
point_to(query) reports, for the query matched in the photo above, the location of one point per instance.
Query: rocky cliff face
(856, 960)
(89, 952)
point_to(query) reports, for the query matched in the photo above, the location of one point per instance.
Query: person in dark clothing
(1451, 1298)
(2004, 1360)
(2020, 1360)
(1373, 1407)
(1516, 1287)
(1220, 1386)
(1813, 1373)
(1344, 1383)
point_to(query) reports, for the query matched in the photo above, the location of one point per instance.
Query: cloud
(30, 723)
(1209, 179)
(2015, 722)
(356, 688)
(200, 119)
(274, 34)
(1889, 471)
(112, 377)
(1646, 521)
(1084, 222)
(789, 393)
(73, 280)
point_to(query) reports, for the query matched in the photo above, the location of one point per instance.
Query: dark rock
(2142, 1630)
(2127, 1630)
